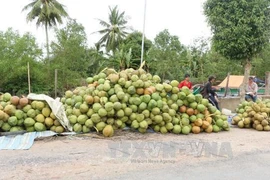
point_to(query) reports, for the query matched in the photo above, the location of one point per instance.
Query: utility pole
(145, 2)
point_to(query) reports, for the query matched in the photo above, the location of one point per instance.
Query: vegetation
(46, 13)
(167, 56)
(241, 29)
(246, 41)
(70, 52)
(115, 30)
(15, 52)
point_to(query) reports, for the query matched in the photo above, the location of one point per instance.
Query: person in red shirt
(186, 82)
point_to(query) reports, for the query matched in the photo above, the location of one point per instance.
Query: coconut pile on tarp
(21, 113)
(253, 115)
(139, 100)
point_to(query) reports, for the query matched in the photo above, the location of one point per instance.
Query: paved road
(239, 154)
(246, 166)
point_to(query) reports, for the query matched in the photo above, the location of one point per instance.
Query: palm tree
(47, 13)
(115, 30)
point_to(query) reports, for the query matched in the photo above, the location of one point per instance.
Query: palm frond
(104, 23)
(46, 12)
(30, 5)
(103, 39)
(115, 29)
(60, 9)
(103, 31)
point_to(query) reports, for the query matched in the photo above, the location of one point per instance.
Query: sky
(183, 18)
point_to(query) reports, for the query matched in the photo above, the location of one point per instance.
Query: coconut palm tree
(115, 30)
(47, 13)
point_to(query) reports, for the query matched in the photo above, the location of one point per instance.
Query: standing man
(186, 82)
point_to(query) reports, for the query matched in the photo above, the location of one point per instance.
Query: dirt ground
(238, 154)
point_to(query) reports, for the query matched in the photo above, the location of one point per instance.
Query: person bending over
(208, 92)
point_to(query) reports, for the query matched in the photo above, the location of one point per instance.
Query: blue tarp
(22, 141)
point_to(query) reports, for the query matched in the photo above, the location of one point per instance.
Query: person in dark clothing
(209, 93)
(257, 80)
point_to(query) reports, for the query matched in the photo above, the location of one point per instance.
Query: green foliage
(240, 28)
(115, 30)
(260, 63)
(241, 31)
(46, 13)
(167, 56)
(15, 52)
(128, 54)
(219, 66)
(97, 61)
(122, 60)
(134, 41)
(197, 58)
(71, 55)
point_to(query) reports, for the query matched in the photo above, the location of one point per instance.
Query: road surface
(238, 154)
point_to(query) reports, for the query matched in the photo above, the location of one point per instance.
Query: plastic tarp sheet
(56, 106)
(25, 141)
(22, 141)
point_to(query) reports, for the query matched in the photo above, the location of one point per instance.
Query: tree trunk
(48, 54)
(267, 83)
(47, 42)
(245, 80)
(227, 84)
